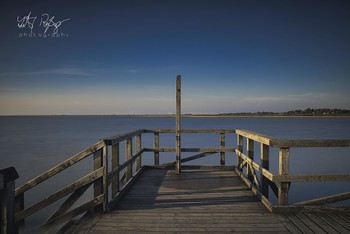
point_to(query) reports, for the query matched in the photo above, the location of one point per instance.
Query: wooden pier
(202, 200)
(135, 197)
(124, 194)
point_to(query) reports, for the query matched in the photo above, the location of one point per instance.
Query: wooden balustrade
(281, 182)
(121, 176)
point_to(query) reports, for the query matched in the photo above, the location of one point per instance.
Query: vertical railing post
(156, 148)
(19, 206)
(138, 149)
(7, 200)
(178, 123)
(128, 147)
(250, 151)
(240, 149)
(283, 187)
(115, 164)
(222, 146)
(264, 163)
(105, 177)
(98, 184)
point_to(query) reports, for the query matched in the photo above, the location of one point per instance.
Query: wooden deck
(214, 201)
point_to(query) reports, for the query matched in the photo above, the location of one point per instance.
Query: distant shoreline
(193, 116)
(243, 116)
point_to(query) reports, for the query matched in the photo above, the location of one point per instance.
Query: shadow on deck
(200, 200)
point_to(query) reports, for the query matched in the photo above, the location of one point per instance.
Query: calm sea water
(36, 143)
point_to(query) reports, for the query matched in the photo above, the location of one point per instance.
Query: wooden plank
(115, 164)
(322, 227)
(68, 203)
(311, 209)
(255, 177)
(187, 159)
(288, 224)
(125, 189)
(256, 166)
(265, 201)
(213, 150)
(138, 150)
(195, 200)
(283, 169)
(88, 179)
(339, 218)
(298, 223)
(119, 138)
(156, 147)
(19, 206)
(250, 153)
(7, 208)
(254, 136)
(312, 143)
(239, 160)
(128, 157)
(311, 178)
(98, 163)
(222, 146)
(125, 164)
(311, 225)
(264, 163)
(104, 178)
(60, 167)
(75, 212)
(274, 142)
(333, 223)
(191, 131)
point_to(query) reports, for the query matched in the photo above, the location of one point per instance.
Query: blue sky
(122, 57)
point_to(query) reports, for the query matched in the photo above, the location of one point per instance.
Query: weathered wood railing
(112, 175)
(76, 189)
(259, 178)
(110, 182)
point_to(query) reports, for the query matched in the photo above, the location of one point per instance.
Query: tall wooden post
(178, 123)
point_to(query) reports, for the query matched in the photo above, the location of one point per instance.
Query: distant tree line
(306, 112)
(318, 112)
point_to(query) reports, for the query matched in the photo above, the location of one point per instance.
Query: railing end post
(7, 200)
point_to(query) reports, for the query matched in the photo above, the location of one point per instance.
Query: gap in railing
(318, 160)
(52, 185)
(313, 190)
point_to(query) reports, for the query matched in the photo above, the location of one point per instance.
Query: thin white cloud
(54, 71)
(132, 71)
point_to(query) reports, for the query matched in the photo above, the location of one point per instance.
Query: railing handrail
(280, 183)
(278, 142)
(119, 138)
(59, 167)
(106, 177)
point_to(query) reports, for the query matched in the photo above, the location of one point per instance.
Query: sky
(122, 57)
